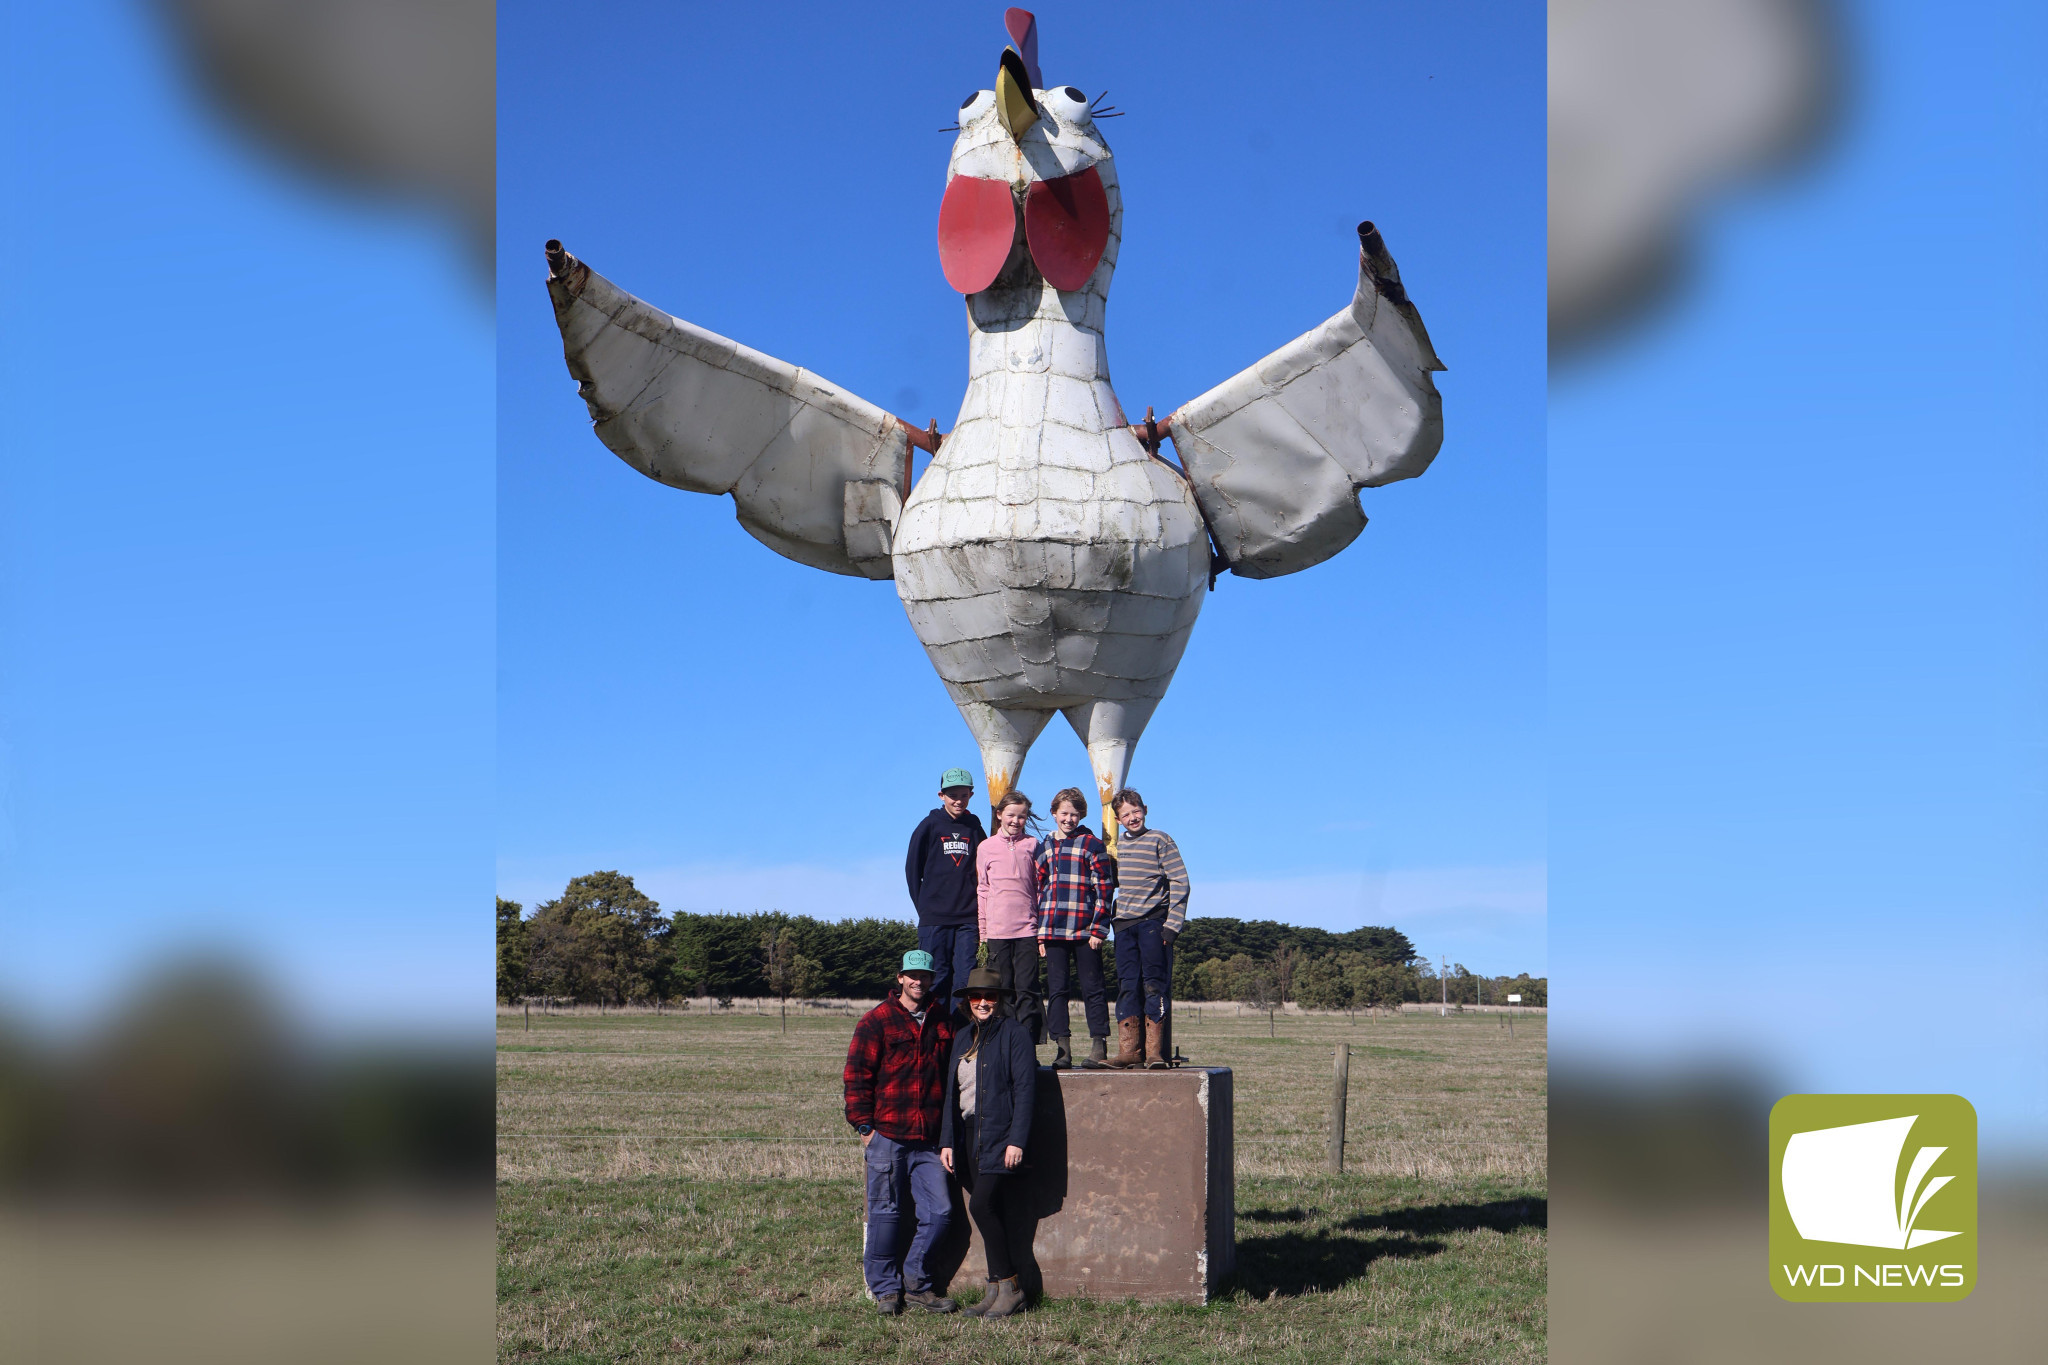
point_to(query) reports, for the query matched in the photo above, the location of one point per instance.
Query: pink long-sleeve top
(1006, 875)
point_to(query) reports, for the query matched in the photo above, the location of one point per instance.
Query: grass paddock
(684, 1187)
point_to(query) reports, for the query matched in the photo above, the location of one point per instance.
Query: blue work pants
(903, 1176)
(1143, 972)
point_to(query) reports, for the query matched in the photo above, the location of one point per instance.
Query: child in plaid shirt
(1075, 880)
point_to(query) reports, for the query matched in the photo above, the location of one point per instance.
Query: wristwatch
(863, 1128)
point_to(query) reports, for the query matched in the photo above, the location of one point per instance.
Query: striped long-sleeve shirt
(1151, 880)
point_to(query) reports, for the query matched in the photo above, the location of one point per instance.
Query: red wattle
(977, 224)
(1066, 225)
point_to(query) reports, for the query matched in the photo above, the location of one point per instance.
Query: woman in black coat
(990, 1084)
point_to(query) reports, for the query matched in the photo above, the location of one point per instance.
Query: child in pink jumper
(1006, 879)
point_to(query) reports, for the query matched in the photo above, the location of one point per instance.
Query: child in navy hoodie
(940, 871)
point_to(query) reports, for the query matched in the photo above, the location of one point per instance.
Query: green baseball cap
(955, 777)
(916, 960)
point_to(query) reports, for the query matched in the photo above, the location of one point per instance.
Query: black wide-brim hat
(984, 981)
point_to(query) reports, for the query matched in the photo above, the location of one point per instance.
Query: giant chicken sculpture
(1049, 559)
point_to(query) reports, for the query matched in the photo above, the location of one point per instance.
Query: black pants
(1015, 960)
(993, 1202)
(1066, 960)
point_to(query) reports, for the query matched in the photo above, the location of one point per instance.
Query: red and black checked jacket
(1075, 879)
(896, 1072)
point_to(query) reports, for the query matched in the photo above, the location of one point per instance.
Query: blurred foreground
(1659, 1247)
(1796, 644)
(245, 684)
(388, 97)
(253, 1194)
(1656, 110)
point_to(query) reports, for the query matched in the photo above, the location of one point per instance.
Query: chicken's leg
(1110, 729)
(1005, 734)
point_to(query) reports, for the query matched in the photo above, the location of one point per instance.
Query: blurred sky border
(246, 596)
(1358, 743)
(1796, 614)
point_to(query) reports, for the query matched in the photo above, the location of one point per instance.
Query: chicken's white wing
(1276, 455)
(815, 472)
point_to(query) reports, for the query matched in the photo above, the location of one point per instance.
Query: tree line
(604, 941)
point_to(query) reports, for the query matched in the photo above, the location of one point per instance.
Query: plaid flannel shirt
(1075, 881)
(896, 1072)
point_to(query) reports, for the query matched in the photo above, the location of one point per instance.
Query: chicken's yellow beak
(1014, 105)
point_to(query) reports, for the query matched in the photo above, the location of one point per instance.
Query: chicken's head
(1031, 191)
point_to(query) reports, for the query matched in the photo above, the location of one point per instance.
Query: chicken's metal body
(1048, 561)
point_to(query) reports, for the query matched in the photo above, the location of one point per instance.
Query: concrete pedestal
(1131, 1187)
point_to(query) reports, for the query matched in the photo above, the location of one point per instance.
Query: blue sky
(245, 607)
(1796, 615)
(1362, 742)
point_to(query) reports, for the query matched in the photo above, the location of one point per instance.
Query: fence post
(1338, 1088)
(528, 1006)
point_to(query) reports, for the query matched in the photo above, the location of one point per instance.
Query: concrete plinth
(1130, 1185)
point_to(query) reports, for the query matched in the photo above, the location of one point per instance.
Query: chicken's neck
(1035, 330)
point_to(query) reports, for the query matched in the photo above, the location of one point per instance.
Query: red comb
(1023, 27)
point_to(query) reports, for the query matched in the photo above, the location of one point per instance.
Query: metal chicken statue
(1049, 558)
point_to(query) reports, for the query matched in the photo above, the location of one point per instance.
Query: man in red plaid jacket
(1075, 882)
(895, 1087)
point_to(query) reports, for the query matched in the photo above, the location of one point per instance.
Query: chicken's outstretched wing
(816, 473)
(1276, 455)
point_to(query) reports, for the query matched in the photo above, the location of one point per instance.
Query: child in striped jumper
(1151, 908)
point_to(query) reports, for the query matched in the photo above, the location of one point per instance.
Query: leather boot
(986, 1302)
(1064, 1056)
(1155, 1045)
(1130, 1044)
(928, 1300)
(1009, 1297)
(1098, 1054)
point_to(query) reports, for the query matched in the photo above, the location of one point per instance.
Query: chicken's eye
(1067, 104)
(972, 95)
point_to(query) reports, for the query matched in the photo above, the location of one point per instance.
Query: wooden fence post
(1338, 1089)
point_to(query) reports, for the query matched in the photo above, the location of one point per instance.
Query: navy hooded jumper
(940, 867)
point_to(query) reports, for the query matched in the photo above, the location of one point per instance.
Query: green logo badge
(1873, 1198)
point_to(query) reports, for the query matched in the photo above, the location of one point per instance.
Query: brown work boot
(889, 1305)
(1155, 1045)
(928, 1301)
(1008, 1299)
(1130, 1044)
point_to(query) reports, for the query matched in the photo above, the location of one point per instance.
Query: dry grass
(734, 1098)
(684, 1187)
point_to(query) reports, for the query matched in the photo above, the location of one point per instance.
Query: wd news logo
(1873, 1198)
